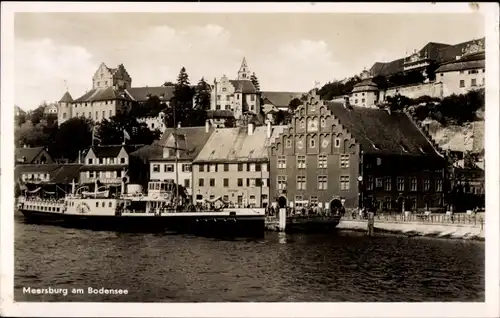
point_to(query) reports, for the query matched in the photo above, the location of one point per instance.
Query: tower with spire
(244, 72)
(64, 111)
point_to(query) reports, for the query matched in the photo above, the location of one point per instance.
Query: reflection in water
(342, 266)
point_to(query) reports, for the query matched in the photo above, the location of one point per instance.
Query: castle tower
(64, 111)
(244, 72)
(111, 77)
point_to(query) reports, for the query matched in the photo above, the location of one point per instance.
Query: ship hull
(311, 224)
(199, 224)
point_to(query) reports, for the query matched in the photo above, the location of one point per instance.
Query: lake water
(341, 266)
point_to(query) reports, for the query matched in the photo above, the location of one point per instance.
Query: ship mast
(176, 163)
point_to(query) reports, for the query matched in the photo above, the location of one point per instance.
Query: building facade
(364, 93)
(358, 156)
(106, 164)
(35, 155)
(105, 77)
(234, 165)
(238, 96)
(176, 164)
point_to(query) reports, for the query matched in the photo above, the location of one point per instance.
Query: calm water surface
(341, 266)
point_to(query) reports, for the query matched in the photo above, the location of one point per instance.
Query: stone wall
(434, 89)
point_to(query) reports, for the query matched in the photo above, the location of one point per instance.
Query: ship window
(110, 204)
(97, 204)
(103, 204)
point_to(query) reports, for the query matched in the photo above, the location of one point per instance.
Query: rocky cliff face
(468, 137)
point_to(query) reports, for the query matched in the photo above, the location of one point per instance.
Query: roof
(463, 64)
(59, 173)
(141, 94)
(149, 151)
(243, 86)
(190, 138)
(102, 94)
(235, 145)
(379, 132)
(281, 99)
(388, 68)
(222, 113)
(113, 150)
(451, 52)
(365, 86)
(66, 98)
(28, 153)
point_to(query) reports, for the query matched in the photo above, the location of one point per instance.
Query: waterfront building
(34, 155)
(360, 156)
(180, 146)
(48, 173)
(106, 164)
(234, 165)
(238, 96)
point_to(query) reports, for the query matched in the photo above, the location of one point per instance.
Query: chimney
(250, 129)
(179, 125)
(207, 126)
(268, 129)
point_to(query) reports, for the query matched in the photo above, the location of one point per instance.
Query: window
(252, 98)
(253, 182)
(387, 203)
(388, 184)
(281, 182)
(186, 167)
(427, 184)
(168, 168)
(312, 143)
(281, 163)
(258, 167)
(313, 201)
(355, 101)
(344, 183)
(363, 100)
(462, 83)
(288, 143)
(208, 168)
(248, 182)
(110, 113)
(302, 124)
(212, 182)
(322, 182)
(323, 122)
(201, 182)
(226, 167)
(461, 72)
(378, 182)
(227, 98)
(224, 89)
(265, 167)
(240, 182)
(322, 161)
(217, 107)
(301, 162)
(156, 168)
(439, 185)
(413, 184)
(379, 161)
(301, 182)
(201, 168)
(214, 167)
(473, 82)
(226, 182)
(218, 97)
(251, 167)
(122, 160)
(186, 183)
(344, 161)
(104, 112)
(369, 183)
(90, 161)
(337, 142)
(240, 167)
(401, 183)
(64, 115)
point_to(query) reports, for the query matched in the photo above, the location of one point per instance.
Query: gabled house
(179, 147)
(334, 153)
(106, 164)
(35, 155)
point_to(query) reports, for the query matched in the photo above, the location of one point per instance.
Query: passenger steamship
(162, 208)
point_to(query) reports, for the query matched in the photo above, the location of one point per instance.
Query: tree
(111, 131)
(294, 103)
(182, 102)
(73, 135)
(202, 95)
(430, 70)
(37, 114)
(255, 81)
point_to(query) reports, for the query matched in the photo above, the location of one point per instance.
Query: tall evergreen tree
(202, 96)
(182, 101)
(255, 81)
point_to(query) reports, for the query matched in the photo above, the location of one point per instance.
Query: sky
(287, 51)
